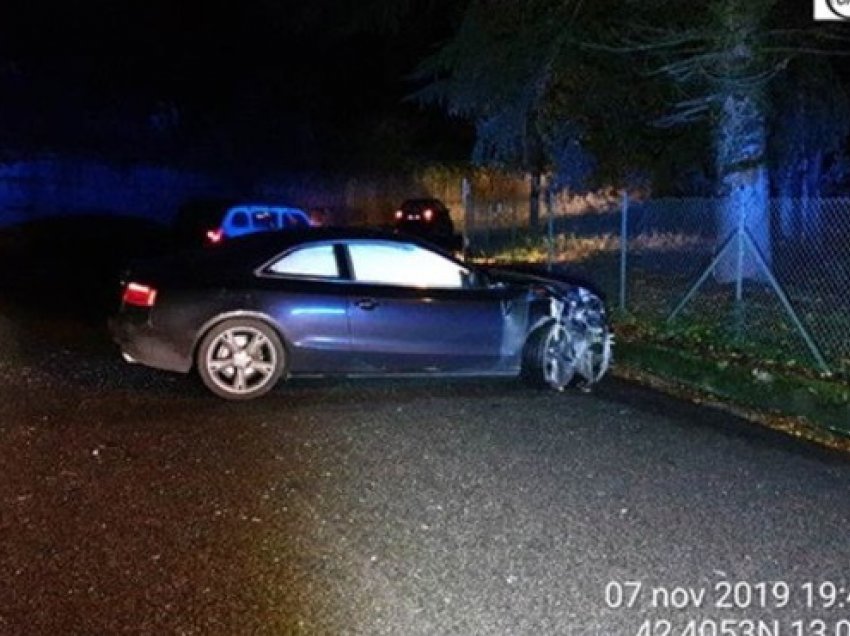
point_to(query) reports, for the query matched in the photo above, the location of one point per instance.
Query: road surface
(134, 502)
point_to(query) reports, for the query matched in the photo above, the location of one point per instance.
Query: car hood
(531, 274)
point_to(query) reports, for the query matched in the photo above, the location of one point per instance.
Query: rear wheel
(240, 359)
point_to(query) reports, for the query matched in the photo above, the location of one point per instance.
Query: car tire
(546, 358)
(240, 359)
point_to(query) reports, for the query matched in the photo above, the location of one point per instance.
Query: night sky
(261, 82)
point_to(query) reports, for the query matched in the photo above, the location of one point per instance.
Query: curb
(793, 426)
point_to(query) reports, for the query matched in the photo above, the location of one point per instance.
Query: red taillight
(428, 214)
(399, 214)
(215, 236)
(139, 295)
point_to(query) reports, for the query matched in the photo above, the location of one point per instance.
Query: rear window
(315, 260)
(420, 205)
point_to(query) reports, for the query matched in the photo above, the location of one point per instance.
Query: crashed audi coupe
(326, 301)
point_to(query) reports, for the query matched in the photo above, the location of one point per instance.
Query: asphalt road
(133, 502)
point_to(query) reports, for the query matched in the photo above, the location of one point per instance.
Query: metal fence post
(468, 221)
(550, 225)
(624, 248)
(786, 303)
(738, 310)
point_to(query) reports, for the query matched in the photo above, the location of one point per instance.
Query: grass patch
(535, 248)
(822, 401)
(574, 248)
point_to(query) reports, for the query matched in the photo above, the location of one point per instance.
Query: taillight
(428, 214)
(215, 236)
(139, 295)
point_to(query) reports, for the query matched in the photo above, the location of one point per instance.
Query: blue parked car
(249, 219)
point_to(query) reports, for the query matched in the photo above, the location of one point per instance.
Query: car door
(412, 310)
(303, 292)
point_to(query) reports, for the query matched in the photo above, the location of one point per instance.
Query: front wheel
(555, 355)
(240, 359)
(548, 357)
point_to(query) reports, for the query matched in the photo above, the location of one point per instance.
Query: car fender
(544, 311)
(238, 313)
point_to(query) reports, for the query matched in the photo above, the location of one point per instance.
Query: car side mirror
(475, 278)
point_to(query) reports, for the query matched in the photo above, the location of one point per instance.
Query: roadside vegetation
(700, 358)
(731, 104)
(740, 361)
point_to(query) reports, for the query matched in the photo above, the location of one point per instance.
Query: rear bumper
(141, 344)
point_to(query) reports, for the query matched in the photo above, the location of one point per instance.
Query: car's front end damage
(568, 337)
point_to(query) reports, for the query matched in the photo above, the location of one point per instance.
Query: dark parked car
(428, 219)
(355, 302)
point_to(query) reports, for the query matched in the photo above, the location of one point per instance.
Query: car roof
(251, 207)
(244, 254)
(423, 201)
(267, 244)
(264, 209)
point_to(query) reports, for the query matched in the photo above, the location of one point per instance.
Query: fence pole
(738, 310)
(468, 221)
(786, 303)
(550, 226)
(624, 248)
(721, 254)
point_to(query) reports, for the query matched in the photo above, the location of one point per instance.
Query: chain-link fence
(774, 282)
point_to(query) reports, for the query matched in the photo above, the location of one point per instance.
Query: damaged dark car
(323, 302)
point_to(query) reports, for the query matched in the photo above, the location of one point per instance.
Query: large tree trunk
(743, 187)
(740, 150)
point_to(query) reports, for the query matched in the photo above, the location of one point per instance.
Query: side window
(240, 220)
(264, 221)
(403, 264)
(296, 220)
(316, 260)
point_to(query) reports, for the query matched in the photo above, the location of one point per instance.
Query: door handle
(367, 304)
